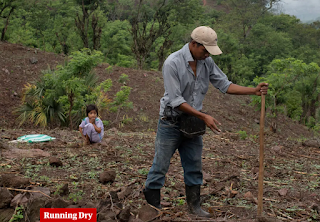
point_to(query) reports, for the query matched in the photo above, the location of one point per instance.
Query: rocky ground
(110, 176)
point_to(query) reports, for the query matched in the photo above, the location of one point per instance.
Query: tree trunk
(96, 32)
(161, 53)
(6, 25)
(64, 46)
(139, 62)
(82, 25)
(70, 98)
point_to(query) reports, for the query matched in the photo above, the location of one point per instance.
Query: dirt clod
(12, 181)
(123, 194)
(124, 215)
(64, 190)
(6, 214)
(147, 213)
(24, 153)
(5, 197)
(54, 161)
(107, 177)
(60, 203)
(315, 207)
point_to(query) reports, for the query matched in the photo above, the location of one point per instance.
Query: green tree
(7, 8)
(40, 19)
(265, 45)
(294, 88)
(64, 28)
(153, 20)
(118, 9)
(245, 14)
(89, 15)
(115, 44)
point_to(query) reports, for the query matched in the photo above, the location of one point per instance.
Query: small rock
(33, 60)
(255, 170)
(235, 136)
(207, 177)
(311, 143)
(112, 130)
(249, 196)
(165, 204)
(54, 161)
(283, 192)
(277, 149)
(315, 207)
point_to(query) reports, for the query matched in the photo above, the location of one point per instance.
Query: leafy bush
(61, 95)
(293, 85)
(123, 78)
(243, 134)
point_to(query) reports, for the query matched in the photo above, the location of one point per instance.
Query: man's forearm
(241, 90)
(186, 108)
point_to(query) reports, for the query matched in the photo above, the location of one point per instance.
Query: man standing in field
(187, 74)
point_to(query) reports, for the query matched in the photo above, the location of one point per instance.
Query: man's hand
(212, 124)
(209, 120)
(262, 88)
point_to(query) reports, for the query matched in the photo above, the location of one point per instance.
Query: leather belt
(169, 118)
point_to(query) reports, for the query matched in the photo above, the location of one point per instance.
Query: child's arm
(93, 122)
(98, 130)
(80, 130)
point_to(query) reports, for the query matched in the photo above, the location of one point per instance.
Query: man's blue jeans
(169, 138)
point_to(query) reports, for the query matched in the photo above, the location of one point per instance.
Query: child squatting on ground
(91, 127)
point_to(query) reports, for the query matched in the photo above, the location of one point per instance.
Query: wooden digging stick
(261, 156)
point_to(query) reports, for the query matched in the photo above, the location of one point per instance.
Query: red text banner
(68, 214)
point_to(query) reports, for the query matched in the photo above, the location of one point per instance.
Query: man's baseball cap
(208, 38)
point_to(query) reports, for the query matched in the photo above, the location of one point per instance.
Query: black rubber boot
(193, 200)
(153, 197)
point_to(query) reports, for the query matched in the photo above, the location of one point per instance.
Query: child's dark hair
(92, 107)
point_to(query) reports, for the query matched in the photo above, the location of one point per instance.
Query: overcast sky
(305, 10)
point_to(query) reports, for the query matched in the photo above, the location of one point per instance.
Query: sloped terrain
(111, 176)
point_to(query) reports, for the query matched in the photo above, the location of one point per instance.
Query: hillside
(234, 112)
(230, 160)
